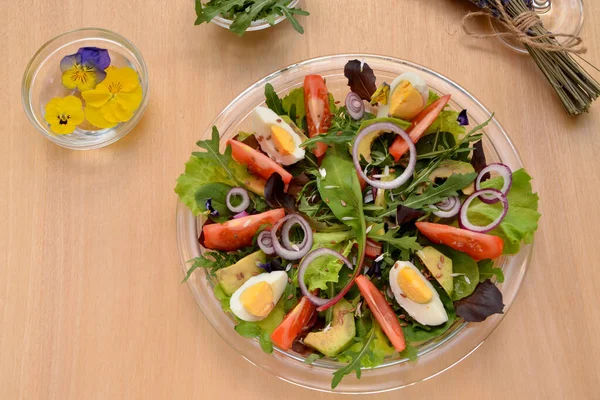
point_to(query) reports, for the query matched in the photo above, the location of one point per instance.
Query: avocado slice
(449, 167)
(440, 267)
(234, 276)
(339, 336)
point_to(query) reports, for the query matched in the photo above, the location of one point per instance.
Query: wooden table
(90, 296)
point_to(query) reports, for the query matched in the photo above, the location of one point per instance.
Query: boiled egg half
(416, 295)
(409, 95)
(257, 297)
(276, 137)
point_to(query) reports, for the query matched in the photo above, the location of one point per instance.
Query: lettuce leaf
(293, 105)
(447, 122)
(210, 166)
(520, 222)
(327, 268)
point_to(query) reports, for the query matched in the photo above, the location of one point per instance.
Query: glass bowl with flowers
(85, 89)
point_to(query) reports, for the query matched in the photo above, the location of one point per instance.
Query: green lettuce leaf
(210, 166)
(293, 105)
(465, 271)
(327, 268)
(520, 222)
(446, 122)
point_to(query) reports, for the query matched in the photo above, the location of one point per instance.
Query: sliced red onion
(410, 168)
(355, 106)
(291, 253)
(265, 242)
(243, 193)
(447, 208)
(285, 234)
(241, 215)
(463, 219)
(304, 266)
(506, 174)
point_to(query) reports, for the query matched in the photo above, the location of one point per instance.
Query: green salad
(243, 12)
(356, 231)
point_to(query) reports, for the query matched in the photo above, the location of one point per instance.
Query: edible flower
(84, 69)
(463, 119)
(64, 114)
(115, 99)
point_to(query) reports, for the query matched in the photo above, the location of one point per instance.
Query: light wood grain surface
(91, 305)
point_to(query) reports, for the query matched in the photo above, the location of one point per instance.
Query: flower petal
(114, 112)
(100, 75)
(122, 79)
(94, 117)
(99, 57)
(71, 103)
(130, 101)
(68, 61)
(63, 129)
(76, 117)
(96, 97)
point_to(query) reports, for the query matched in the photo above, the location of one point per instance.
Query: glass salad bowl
(257, 25)
(122, 76)
(435, 356)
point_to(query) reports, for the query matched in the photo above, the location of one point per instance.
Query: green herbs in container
(240, 16)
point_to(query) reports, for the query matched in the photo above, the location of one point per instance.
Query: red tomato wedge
(372, 249)
(284, 335)
(382, 311)
(479, 246)
(318, 114)
(237, 233)
(419, 125)
(257, 163)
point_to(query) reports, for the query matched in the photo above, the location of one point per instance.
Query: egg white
(262, 120)
(276, 279)
(416, 81)
(432, 313)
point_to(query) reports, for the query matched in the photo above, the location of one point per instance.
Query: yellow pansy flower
(64, 114)
(115, 99)
(80, 73)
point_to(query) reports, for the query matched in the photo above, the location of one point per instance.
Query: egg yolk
(258, 299)
(406, 101)
(283, 141)
(413, 286)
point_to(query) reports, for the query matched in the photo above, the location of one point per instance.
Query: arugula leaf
(215, 260)
(435, 194)
(464, 269)
(487, 271)
(248, 329)
(242, 20)
(485, 301)
(520, 222)
(312, 358)
(356, 352)
(339, 187)
(211, 166)
(391, 237)
(273, 101)
(361, 79)
(205, 13)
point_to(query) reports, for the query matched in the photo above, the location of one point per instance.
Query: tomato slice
(318, 114)
(419, 125)
(372, 249)
(284, 335)
(382, 311)
(479, 246)
(237, 233)
(257, 163)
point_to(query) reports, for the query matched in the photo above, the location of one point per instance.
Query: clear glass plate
(435, 356)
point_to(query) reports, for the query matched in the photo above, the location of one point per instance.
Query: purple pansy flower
(95, 55)
(463, 119)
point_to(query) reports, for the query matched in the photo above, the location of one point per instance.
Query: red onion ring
(265, 242)
(241, 215)
(463, 220)
(355, 106)
(506, 174)
(410, 168)
(285, 234)
(447, 208)
(238, 191)
(318, 301)
(290, 253)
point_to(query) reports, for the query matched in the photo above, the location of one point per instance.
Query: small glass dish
(257, 25)
(42, 83)
(435, 356)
